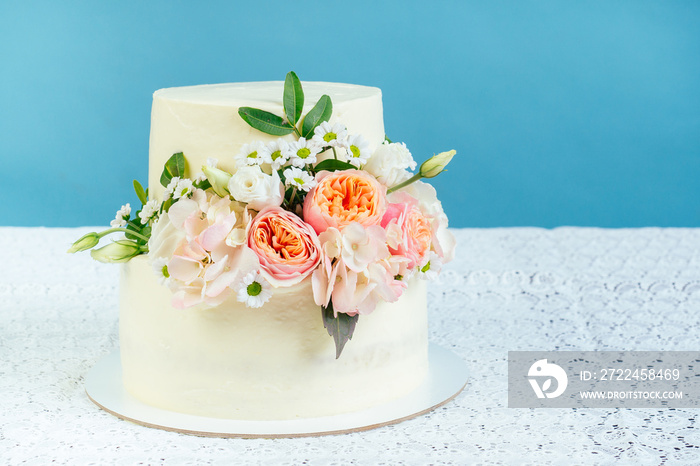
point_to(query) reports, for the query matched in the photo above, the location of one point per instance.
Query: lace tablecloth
(508, 289)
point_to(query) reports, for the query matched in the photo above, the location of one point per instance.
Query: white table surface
(508, 289)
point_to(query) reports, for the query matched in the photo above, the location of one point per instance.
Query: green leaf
(386, 138)
(293, 98)
(203, 185)
(332, 165)
(166, 205)
(340, 328)
(140, 193)
(134, 225)
(175, 166)
(265, 121)
(317, 115)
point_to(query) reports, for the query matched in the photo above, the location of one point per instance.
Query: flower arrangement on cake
(316, 204)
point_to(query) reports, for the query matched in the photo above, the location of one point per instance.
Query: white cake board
(446, 378)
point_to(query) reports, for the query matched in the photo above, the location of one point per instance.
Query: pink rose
(287, 248)
(408, 230)
(343, 197)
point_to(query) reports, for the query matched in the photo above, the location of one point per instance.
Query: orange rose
(343, 197)
(287, 248)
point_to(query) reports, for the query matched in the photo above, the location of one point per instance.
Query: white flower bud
(88, 241)
(436, 164)
(218, 179)
(118, 251)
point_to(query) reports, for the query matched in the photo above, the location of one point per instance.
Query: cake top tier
(203, 121)
(264, 93)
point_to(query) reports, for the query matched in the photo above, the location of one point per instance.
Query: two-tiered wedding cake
(279, 225)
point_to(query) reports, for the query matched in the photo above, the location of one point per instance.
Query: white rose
(165, 238)
(249, 184)
(389, 164)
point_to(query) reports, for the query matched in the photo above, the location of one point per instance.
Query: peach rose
(343, 197)
(288, 248)
(408, 230)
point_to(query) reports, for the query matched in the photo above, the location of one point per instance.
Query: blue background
(562, 113)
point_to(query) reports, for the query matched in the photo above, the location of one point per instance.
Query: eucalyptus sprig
(293, 104)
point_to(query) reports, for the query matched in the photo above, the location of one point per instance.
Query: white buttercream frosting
(276, 362)
(203, 121)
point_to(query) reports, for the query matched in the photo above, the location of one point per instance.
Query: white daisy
(299, 178)
(278, 154)
(334, 136)
(251, 154)
(253, 290)
(183, 189)
(149, 211)
(172, 186)
(160, 267)
(121, 217)
(430, 268)
(358, 150)
(302, 152)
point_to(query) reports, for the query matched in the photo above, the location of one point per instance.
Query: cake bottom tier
(276, 362)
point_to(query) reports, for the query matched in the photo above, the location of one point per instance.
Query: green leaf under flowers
(166, 205)
(293, 98)
(317, 115)
(332, 165)
(140, 192)
(175, 166)
(340, 327)
(203, 185)
(265, 121)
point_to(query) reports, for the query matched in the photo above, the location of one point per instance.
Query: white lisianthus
(165, 237)
(299, 178)
(121, 216)
(116, 252)
(256, 188)
(251, 154)
(278, 153)
(302, 152)
(390, 163)
(358, 150)
(436, 164)
(160, 267)
(183, 188)
(253, 290)
(149, 211)
(211, 163)
(334, 136)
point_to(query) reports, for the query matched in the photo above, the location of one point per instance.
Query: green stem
(291, 198)
(114, 230)
(296, 131)
(335, 155)
(412, 179)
